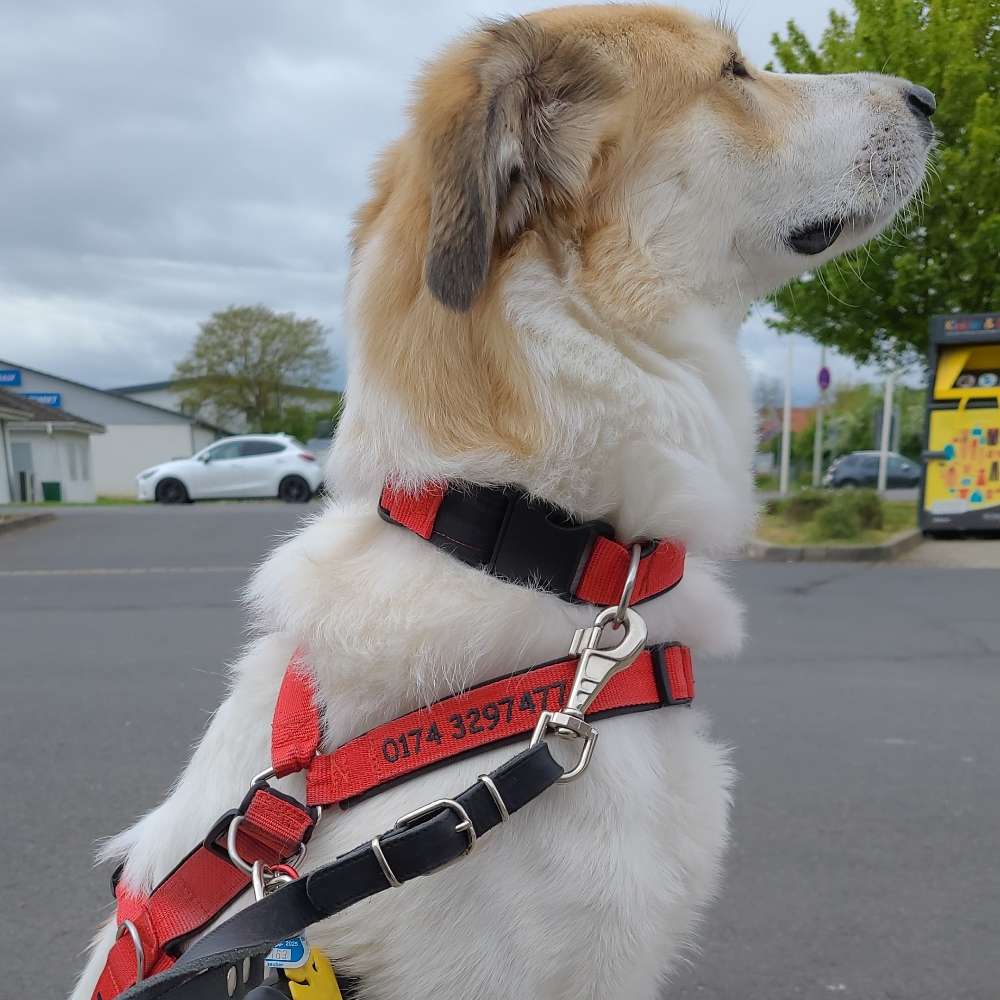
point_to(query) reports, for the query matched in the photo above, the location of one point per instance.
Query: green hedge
(846, 515)
(831, 515)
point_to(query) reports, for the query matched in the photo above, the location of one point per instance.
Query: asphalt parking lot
(863, 716)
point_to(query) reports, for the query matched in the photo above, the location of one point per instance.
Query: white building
(45, 453)
(170, 395)
(137, 434)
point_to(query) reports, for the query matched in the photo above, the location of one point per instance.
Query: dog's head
(634, 147)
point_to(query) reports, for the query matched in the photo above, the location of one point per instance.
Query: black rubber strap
(206, 969)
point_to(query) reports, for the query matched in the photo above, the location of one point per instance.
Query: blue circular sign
(824, 378)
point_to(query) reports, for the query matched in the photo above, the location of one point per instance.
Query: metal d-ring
(264, 777)
(234, 854)
(630, 578)
(127, 927)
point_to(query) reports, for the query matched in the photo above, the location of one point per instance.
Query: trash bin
(961, 482)
(51, 491)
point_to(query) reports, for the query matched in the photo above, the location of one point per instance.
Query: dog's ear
(520, 139)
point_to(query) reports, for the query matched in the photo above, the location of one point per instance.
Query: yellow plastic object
(315, 980)
(963, 479)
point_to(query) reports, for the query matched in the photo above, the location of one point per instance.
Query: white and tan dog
(546, 290)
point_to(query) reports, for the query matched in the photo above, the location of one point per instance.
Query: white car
(251, 465)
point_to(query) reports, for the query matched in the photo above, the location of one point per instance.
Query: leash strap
(489, 714)
(506, 532)
(418, 845)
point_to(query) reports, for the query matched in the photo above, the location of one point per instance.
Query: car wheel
(848, 484)
(171, 491)
(294, 489)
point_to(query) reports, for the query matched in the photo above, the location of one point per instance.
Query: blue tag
(292, 953)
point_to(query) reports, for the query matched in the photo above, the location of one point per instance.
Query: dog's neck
(648, 426)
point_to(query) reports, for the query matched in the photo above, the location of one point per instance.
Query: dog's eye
(736, 67)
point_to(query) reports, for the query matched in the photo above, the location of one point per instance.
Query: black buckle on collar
(517, 538)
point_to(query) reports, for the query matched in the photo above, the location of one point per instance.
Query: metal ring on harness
(633, 573)
(263, 779)
(234, 854)
(127, 927)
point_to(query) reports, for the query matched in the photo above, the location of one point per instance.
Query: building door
(23, 471)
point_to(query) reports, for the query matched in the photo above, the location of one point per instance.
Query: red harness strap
(272, 828)
(486, 715)
(295, 726)
(516, 537)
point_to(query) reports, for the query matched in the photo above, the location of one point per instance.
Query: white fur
(594, 890)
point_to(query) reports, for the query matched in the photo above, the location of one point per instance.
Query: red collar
(504, 531)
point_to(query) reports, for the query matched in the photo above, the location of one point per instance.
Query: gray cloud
(164, 159)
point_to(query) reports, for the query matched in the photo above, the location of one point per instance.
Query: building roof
(124, 390)
(771, 418)
(170, 383)
(112, 392)
(21, 410)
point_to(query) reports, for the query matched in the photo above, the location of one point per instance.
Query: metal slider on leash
(596, 667)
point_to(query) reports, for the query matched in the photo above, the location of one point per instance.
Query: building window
(71, 449)
(85, 460)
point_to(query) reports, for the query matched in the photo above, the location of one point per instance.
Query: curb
(887, 551)
(25, 521)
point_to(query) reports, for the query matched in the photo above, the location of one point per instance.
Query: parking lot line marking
(125, 570)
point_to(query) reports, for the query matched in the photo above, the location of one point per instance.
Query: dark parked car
(860, 468)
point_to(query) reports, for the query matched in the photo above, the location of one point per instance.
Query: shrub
(838, 520)
(803, 506)
(868, 505)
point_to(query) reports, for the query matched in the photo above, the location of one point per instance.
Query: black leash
(229, 961)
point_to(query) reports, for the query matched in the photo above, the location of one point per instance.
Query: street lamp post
(824, 382)
(786, 421)
(883, 457)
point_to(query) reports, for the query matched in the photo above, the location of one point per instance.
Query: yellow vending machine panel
(961, 483)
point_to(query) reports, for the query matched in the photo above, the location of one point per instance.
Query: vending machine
(961, 483)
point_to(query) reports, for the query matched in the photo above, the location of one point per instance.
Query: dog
(546, 288)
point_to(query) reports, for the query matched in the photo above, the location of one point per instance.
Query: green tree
(849, 425)
(305, 422)
(852, 416)
(247, 358)
(941, 257)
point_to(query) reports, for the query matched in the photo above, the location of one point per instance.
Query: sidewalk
(957, 553)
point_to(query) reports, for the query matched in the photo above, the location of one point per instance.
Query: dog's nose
(921, 101)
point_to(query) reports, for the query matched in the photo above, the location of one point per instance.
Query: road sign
(824, 378)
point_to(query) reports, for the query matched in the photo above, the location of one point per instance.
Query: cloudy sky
(166, 158)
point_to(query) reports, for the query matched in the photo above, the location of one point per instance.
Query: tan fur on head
(616, 148)
(507, 128)
(518, 140)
